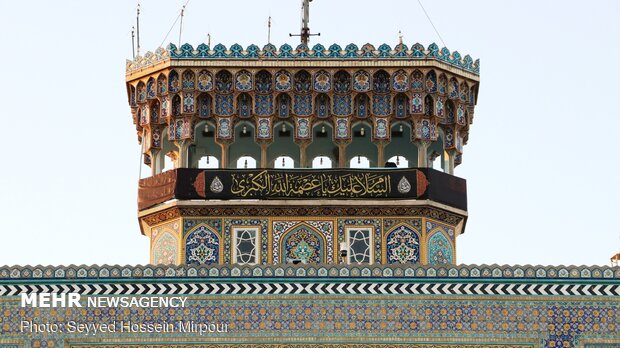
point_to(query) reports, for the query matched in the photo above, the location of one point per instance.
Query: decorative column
(380, 153)
(342, 155)
(263, 154)
(422, 153)
(449, 162)
(303, 146)
(224, 163)
(183, 145)
(156, 162)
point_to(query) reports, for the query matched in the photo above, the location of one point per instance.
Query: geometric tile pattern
(257, 287)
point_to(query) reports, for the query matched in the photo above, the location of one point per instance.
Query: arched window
(246, 162)
(401, 161)
(321, 162)
(359, 162)
(284, 162)
(208, 162)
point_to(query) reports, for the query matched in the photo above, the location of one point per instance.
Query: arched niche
(400, 144)
(244, 144)
(322, 143)
(283, 144)
(361, 144)
(204, 144)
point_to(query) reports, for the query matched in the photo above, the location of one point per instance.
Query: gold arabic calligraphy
(310, 185)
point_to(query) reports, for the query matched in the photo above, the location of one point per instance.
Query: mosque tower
(302, 155)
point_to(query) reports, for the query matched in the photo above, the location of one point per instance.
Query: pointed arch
(342, 82)
(203, 246)
(151, 88)
(431, 82)
(400, 144)
(174, 85)
(381, 82)
(223, 82)
(264, 82)
(204, 144)
(165, 249)
(188, 80)
(243, 81)
(283, 145)
(141, 90)
(417, 80)
(162, 84)
(402, 245)
(322, 142)
(439, 248)
(442, 83)
(302, 82)
(305, 243)
(361, 144)
(453, 88)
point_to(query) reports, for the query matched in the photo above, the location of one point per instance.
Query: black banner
(225, 184)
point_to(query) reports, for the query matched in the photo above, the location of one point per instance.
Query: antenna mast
(269, 30)
(138, 27)
(305, 19)
(133, 44)
(181, 25)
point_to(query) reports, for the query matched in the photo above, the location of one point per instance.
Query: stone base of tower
(302, 231)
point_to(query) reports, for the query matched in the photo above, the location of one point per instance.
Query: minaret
(302, 155)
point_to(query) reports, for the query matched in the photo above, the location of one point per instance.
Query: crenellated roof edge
(303, 52)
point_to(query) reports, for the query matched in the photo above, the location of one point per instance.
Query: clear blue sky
(541, 161)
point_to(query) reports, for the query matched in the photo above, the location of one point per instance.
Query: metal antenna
(138, 27)
(305, 19)
(269, 30)
(133, 44)
(181, 25)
